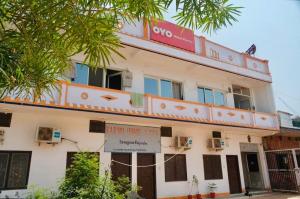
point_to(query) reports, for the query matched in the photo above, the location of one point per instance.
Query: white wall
(49, 162)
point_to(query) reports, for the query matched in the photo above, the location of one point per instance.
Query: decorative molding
(109, 97)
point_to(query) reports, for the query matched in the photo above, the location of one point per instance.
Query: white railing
(83, 97)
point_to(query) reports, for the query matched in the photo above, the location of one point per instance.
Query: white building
(192, 88)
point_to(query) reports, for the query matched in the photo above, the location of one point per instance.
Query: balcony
(102, 100)
(204, 52)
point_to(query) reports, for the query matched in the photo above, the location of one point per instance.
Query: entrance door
(233, 174)
(146, 176)
(119, 170)
(253, 169)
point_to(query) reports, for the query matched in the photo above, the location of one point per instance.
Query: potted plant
(195, 183)
(212, 188)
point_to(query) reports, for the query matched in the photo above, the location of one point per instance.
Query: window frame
(9, 167)
(175, 177)
(159, 79)
(213, 93)
(104, 73)
(251, 95)
(221, 168)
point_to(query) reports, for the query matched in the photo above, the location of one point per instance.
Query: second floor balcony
(96, 99)
(170, 40)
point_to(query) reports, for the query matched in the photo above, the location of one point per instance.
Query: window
(14, 169)
(151, 86)
(164, 88)
(242, 98)
(98, 77)
(97, 126)
(212, 167)
(175, 168)
(210, 96)
(5, 119)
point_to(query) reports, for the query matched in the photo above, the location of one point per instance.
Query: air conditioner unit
(216, 144)
(183, 142)
(126, 78)
(48, 135)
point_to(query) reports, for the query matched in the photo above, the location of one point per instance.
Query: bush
(83, 181)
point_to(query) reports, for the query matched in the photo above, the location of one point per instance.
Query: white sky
(274, 27)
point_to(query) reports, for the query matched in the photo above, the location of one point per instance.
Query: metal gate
(283, 169)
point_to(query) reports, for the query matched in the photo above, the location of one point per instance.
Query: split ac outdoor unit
(48, 135)
(216, 144)
(183, 142)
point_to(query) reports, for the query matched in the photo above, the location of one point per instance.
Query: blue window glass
(150, 86)
(201, 97)
(166, 88)
(82, 72)
(209, 97)
(219, 98)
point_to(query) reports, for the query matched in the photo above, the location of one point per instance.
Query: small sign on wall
(127, 138)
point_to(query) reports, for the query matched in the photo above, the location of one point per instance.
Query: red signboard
(172, 34)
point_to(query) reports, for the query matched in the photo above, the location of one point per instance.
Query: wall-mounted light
(249, 138)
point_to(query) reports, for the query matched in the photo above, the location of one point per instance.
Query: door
(254, 172)
(146, 176)
(119, 170)
(233, 174)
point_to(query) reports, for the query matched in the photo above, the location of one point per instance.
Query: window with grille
(14, 169)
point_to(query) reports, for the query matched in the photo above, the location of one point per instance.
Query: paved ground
(273, 196)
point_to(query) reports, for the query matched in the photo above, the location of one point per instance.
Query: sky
(274, 27)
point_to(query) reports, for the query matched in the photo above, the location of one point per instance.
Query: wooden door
(233, 174)
(146, 176)
(119, 170)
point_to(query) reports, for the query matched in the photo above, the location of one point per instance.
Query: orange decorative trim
(84, 96)
(203, 46)
(231, 114)
(263, 118)
(180, 107)
(146, 30)
(242, 117)
(109, 97)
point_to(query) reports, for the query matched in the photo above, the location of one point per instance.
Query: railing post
(253, 119)
(211, 118)
(148, 108)
(244, 55)
(266, 62)
(146, 30)
(203, 46)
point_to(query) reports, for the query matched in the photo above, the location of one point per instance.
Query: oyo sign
(172, 34)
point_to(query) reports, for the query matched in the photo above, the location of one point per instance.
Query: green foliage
(123, 186)
(39, 37)
(39, 193)
(83, 181)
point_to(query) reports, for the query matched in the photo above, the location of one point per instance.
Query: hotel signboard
(127, 138)
(172, 34)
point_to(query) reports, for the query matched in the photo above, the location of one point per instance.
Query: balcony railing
(206, 52)
(83, 97)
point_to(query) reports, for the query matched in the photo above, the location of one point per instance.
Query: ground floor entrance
(252, 167)
(233, 174)
(146, 176)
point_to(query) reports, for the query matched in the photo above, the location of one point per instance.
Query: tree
(38, 37)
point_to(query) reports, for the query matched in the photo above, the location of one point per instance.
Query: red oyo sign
(172, 34)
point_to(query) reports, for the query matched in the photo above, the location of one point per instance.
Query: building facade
(187, 106)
